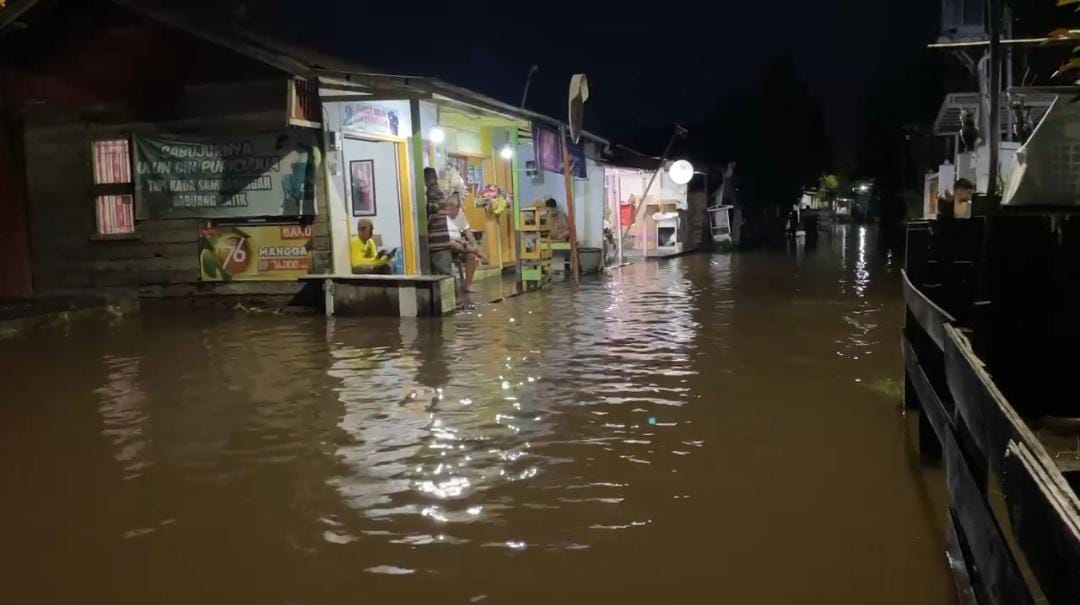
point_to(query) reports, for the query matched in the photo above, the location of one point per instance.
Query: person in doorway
(560, 225)
(364, 254)
(462, 239)
(964, 191)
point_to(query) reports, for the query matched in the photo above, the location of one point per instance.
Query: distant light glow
(437, 135)
(506, 153)
(864, 187)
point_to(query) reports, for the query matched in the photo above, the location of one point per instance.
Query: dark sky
(647, 68)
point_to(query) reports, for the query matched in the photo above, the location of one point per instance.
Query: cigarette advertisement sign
(365, 117)
(259, 175)
(254, 252)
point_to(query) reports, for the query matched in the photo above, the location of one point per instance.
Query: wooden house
(141, 150)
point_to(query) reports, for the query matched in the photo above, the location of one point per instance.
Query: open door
(373, 186)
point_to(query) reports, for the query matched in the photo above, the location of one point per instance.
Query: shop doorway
(373, 191)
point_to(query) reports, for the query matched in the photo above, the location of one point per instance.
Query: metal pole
(984, 280)
(570, 206)
(994, 130)
(528, 81)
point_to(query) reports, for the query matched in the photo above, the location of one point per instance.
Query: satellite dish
(579, 93)
(681, 172)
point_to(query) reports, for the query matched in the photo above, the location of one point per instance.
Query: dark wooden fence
(1014, 518)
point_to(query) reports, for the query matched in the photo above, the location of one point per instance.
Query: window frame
(101, 190)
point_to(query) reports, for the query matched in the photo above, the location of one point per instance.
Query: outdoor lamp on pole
(681, 172)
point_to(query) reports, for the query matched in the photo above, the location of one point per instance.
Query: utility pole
(570, 218)
(994, 131)
(984, 283)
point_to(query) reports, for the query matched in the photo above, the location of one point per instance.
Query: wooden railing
(985, 443)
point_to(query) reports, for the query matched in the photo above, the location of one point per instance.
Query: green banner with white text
(271, 175)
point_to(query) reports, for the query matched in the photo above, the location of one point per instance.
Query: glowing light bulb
(681, 172)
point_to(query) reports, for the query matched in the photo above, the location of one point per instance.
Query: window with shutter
(114, 194)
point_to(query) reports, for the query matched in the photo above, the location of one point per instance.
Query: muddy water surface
(710, 429)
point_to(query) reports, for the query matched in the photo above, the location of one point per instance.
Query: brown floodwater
(720, 429)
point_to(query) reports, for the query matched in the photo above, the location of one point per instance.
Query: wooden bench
(380, 295)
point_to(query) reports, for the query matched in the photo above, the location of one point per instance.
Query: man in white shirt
(461, 236)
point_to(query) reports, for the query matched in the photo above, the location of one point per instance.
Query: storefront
(377, 153)
(473, 148)
(652, 220)
(369, 177)
(541, 158)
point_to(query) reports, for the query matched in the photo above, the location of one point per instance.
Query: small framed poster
(362, 185)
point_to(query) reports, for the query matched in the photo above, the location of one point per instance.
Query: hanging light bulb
(507, 152)
(681, 172)
(437, 135)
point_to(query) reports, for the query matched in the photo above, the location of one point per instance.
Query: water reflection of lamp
(437, 135)
(507, 152)
(681, 172)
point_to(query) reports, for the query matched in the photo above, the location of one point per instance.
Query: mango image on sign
(211, 266)
(234, 253)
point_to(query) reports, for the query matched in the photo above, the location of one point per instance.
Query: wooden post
(416, 143)
(516, 206)
(570, 206)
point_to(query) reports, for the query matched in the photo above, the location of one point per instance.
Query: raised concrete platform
(380, 295)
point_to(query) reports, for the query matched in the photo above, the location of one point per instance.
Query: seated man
(560, 225)
(462, 240)
(364, 255)
(446, 242)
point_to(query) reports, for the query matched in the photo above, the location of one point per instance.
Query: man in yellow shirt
(364, 255)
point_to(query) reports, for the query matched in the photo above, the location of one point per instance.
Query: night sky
(647, 68)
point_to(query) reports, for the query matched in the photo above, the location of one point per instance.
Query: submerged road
(720, 429)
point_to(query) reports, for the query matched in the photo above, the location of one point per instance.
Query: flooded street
(707, 429)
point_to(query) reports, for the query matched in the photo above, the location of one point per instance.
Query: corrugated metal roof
(300, 60)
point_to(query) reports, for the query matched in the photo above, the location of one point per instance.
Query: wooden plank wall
(93, 68)
(163, 253)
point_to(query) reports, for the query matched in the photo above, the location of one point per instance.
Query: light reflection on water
(625, 441)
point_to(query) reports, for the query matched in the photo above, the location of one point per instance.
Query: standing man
(965, 190)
